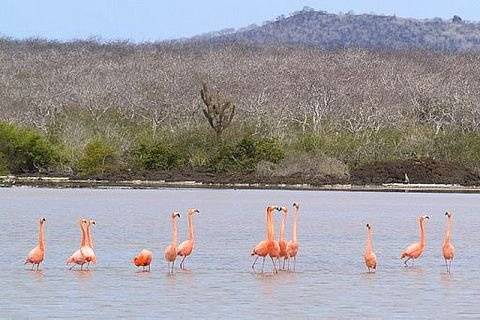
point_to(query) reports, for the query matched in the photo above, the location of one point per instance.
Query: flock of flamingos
(279, 250)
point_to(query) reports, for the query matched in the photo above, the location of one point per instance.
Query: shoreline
(65, 182)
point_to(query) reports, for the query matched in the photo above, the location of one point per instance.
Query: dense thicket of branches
(308, 88)
(331, 31)
(300, 113)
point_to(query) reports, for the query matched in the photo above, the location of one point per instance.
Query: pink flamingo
(90, 242)
(186, 247)
(281, 241)
(292, 245)
(143, 259)
(369, 256)
(266, 247)
(37, 254)
(448, 249)
(170, 253)
(85, 254)
(415, 250)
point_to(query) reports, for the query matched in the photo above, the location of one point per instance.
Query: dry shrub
(311, 166)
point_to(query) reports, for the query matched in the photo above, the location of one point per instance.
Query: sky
(152, 20)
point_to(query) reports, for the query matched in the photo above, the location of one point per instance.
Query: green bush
(24, 150)
(246, 154)
(155, 156)
(99, 157)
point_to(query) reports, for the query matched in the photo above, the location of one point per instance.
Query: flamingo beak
(427, 217)
(197, 211)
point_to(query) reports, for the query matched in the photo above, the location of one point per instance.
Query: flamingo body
(415, 250)
(369, 256)
(448, 249)
(143, 259)
(186, 247)
(37, 254)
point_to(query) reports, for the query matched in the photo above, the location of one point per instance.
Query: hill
(333, 31)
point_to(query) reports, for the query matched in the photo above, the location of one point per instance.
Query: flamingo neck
(294, 226)
(448, 231)
(270, 227)
(88, 241)
(174, 236)
(41, 237)
(282, 227)
(369, 248)
(84, 236)
(191, 231)
(90, 238)
(422, 234)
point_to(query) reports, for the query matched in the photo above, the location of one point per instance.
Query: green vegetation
(315, 156)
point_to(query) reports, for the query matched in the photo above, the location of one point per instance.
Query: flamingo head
(42, 220)
(135, 261)
(369, 226)
(192, 211)
(448, 214)
(424, 218)
(284, 210)
(296, 205)
(175, 214)
(83, 222)
(92, 222)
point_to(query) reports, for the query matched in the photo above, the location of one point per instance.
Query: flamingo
(281, 241)
(37, 254)
(186, 247)
(85, 254)
(143, 259)
(170, 253)
(267, 246)
(369, 256)
(90, 242)
(415, 250)
(292, 245)
(448, 249)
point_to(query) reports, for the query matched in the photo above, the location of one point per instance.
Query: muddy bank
(418, 171)
(423, 175)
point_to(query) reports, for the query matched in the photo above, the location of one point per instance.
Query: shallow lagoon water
(330, 282)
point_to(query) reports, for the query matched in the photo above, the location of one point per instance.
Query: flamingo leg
(38, 266)
(288, 265)
(263, 263)
(295, 264)
(274, 266)
(71, 267)
(148, 268)
(181, 263)
(283, 266)
(254, 262)
(405, 262)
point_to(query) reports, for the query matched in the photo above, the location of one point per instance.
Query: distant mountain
(331, 31)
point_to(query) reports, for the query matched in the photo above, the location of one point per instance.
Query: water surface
(330, 282)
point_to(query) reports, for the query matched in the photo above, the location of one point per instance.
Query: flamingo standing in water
(415, 250)
(186, 247)
(369, 256)
(85, 254)
(170, 253)
(143, 259)
(37, 254)
(267, 247)
(292, 245)
(281, 241)
(90, 242)
(448, 249)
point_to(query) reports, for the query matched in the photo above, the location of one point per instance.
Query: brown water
(330, 281)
